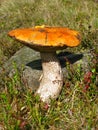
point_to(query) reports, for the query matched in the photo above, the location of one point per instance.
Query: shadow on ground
(63, 57)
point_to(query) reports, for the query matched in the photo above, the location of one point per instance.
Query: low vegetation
(77, 106)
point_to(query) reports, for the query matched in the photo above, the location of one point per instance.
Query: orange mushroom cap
(43, 38)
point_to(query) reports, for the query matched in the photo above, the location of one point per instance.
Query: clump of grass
(76, 107)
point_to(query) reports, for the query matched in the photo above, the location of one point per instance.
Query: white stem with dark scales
(52, 80)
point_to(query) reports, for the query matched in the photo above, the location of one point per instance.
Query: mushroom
(47, 40)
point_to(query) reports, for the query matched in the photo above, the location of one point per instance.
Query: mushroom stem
(52, 80)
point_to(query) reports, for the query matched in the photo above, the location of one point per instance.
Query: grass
(77, 106)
